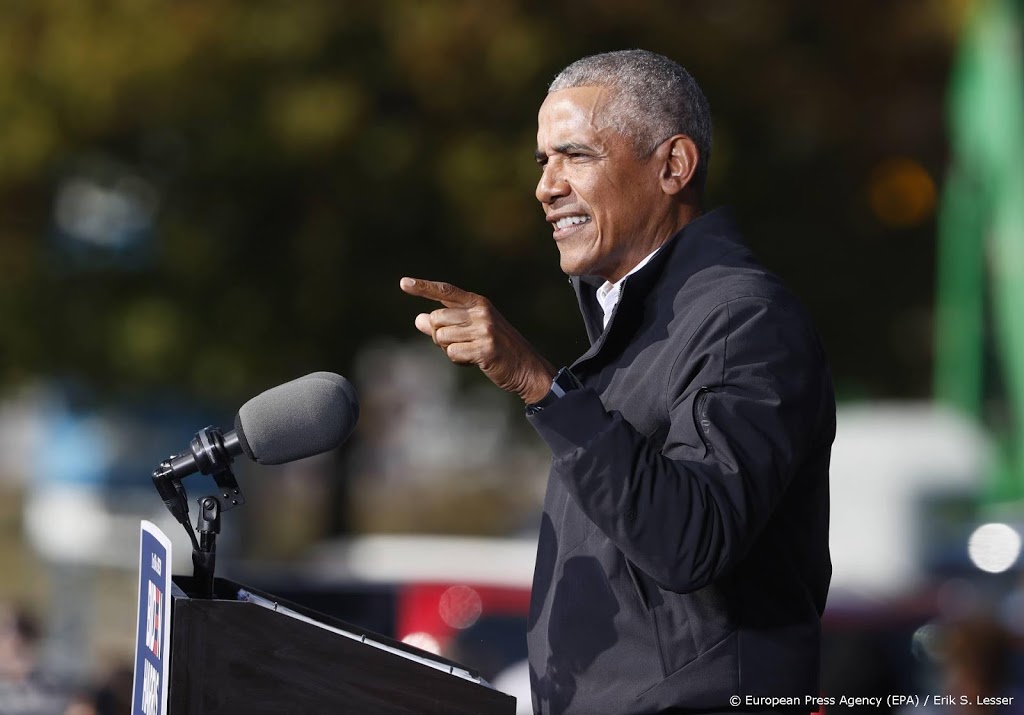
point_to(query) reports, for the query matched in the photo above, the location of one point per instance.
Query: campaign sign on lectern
(153, 625)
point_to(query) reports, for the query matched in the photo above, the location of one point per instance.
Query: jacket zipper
(701, 419)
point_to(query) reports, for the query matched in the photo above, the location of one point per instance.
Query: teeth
(570, 221)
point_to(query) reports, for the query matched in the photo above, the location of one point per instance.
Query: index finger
(445, 293)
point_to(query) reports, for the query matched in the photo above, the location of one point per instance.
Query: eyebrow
(568, 148)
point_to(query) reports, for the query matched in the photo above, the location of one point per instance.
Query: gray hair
(653, 98)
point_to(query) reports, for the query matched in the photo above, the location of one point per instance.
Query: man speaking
(683, 558)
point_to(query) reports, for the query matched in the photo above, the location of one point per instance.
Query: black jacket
(683, 555)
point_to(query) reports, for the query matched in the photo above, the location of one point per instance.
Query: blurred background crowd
(201, 200)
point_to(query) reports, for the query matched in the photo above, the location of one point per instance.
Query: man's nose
(552, 185)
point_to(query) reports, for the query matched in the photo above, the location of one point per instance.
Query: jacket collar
(697, 245)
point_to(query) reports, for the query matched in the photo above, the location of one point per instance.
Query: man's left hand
(472, 332)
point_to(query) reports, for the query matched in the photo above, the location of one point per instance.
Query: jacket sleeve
(746, 398)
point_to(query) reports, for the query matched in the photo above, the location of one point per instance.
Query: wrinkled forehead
(576, 109)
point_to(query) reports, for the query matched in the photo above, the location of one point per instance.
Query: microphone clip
(210, 453)
(210, 448)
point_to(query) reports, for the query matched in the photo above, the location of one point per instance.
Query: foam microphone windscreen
(298, 419)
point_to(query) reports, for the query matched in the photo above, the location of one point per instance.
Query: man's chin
(572, 272)
(572, 266)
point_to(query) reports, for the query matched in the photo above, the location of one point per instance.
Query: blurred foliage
(303, 156)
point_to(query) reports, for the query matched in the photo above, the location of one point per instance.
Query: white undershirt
(608, 294)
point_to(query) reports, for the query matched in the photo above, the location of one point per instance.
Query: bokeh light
(901, 193)
(925, 642)
(423, 641)
(460, 606)
(994, 547)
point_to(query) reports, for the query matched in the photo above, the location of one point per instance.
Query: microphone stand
(208, 442)
(204, 559)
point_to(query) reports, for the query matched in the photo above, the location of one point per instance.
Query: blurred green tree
(290, 161)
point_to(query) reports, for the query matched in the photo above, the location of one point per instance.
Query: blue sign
(153, 625)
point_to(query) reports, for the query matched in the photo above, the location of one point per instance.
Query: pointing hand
(472, 332)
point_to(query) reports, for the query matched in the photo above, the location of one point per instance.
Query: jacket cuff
(571, 422)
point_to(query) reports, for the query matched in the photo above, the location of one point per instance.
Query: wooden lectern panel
(230, 656)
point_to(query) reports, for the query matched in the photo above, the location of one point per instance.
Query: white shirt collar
(608, 294)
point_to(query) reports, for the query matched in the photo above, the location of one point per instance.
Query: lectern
(234, 650)
(243, 651)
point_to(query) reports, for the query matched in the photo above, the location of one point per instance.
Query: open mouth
(567, 223)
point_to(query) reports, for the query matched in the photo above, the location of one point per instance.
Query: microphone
(301, 418)
(298, 419)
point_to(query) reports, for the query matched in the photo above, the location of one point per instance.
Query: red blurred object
(419, 607)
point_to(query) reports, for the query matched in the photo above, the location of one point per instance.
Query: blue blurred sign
(153, 625)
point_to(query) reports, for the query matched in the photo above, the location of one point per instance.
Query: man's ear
(680, 163)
